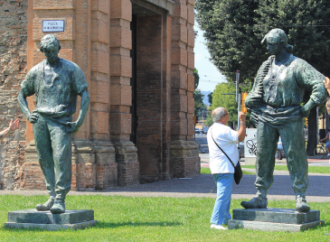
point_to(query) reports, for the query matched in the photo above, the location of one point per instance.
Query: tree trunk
(312, 132)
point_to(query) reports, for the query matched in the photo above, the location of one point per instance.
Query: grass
(151, 219)
(205, 170)
(311, 169)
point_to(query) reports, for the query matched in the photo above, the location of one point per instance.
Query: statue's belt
(278, 115)
(61, 120)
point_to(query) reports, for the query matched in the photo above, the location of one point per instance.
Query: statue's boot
(256, 202)
(47, 205)
(59, 205)
(301, 204)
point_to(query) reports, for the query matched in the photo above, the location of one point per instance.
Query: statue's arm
(85, 100)
(27, 89)
(312, 80)
(81, 88)
(255, 96)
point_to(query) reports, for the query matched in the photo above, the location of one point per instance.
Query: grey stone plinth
(31, 218)
(267, 226)
(274, 219)
(82, 225)
(276, 215)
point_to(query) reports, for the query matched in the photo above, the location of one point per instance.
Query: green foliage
(230, 36)
(209, 96)
(234, 30)
(199, 105)
(311, 169)
(305, 22)
(227, 101)
(209, 120)
(196, 76)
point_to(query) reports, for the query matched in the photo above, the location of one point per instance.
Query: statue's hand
(305, 112)
(72, 127)
(33, 118)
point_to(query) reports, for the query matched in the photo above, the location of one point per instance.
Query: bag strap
(221, 149)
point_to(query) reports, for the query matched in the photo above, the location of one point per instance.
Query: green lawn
(151, 219)
(205, 170)
(312, 169)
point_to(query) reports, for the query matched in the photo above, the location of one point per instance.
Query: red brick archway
(98, 38)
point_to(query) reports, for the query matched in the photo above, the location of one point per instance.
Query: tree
(196, 76)
(234, 30)
(209, 96)
(230, 36)
(198, 96)
(220, 99)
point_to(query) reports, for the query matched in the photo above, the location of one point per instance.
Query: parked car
(280, 154)
(205, 129)
(197, 131)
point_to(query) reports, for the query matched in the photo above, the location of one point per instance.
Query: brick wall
(148, 96)
(182, 108)
(13, 61)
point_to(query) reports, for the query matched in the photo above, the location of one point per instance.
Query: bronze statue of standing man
(275, 105)
(56, 83)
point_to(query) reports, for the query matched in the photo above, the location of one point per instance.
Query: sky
(209, 75)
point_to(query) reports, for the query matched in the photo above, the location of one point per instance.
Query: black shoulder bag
(238, 174)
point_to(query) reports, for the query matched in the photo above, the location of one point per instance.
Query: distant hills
(206, 99)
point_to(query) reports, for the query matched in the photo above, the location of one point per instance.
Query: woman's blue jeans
(221, 208)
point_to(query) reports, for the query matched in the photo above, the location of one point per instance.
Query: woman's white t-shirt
(226, 138)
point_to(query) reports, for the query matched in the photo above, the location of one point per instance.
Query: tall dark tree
(234, 30)
(306, 23)
(196, 76)
(209, 96)
(198, 96)
(231, 41)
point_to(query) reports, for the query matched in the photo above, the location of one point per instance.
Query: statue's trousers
(53, 145)
(293, 140)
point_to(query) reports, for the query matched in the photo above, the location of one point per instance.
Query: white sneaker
(214, 226)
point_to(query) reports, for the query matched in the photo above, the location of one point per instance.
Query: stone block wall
(182, 102)
(13, 62)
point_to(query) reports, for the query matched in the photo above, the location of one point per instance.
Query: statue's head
(50, 46)
(276, 40)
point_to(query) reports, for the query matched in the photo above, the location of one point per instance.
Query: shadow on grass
(131, 224)
(102, 225)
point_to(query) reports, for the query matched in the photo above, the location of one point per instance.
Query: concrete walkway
(204, 186)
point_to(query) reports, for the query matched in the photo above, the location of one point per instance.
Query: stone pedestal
(33, 219)
(184, 159)
(127, 162)
(274, 219)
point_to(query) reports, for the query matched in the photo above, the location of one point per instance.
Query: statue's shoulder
(38, 67)
(266, 64)
(300, 63)
(69, 65)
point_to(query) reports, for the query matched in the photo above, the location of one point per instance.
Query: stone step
(267, 226)
(46, 217)
(276, 215)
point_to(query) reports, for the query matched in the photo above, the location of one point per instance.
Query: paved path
(204, 186)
